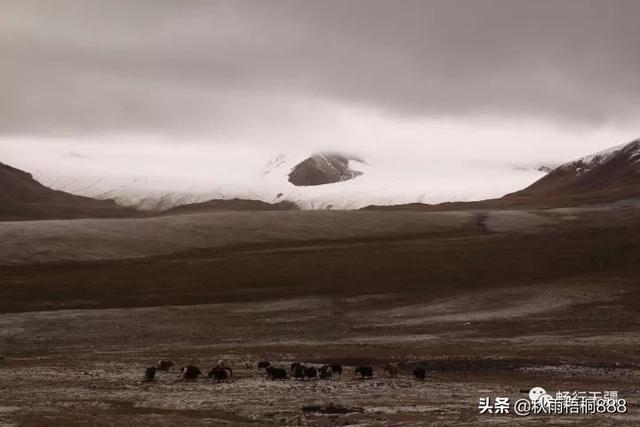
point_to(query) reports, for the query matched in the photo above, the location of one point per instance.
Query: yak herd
(298, 371)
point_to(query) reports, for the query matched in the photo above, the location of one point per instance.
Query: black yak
(190, 372)
(264, 364)
(326, 372)
(277, 373)
(419, 372)
(311, 373)
(336, 369)
(365, 371)
(220, 373)
(298, 372)
(150, 374)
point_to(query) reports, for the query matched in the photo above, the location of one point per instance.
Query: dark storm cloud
(139, 65)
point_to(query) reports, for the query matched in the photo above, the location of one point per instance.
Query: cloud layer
(90, 66)
(444, 99)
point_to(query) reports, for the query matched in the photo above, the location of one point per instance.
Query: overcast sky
(539, 79)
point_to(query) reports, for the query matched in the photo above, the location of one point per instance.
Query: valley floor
(493, 303)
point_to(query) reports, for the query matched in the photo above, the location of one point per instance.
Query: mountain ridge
(606, 176)
(24, 198)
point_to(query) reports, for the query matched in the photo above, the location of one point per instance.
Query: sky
(135, 87)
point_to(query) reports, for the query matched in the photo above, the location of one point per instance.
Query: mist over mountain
(329, 180)
(161, 182)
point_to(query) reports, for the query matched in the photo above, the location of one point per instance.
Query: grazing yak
(264, 364)
(336, 369)
(190, 372)
(220, 373)
(298, 371)
(326, 373)
(150, 374)
(392, 369)
(311, 373)
(294, 365)
(419, 372)
(277, 373)
(164, 365)
(365, 372)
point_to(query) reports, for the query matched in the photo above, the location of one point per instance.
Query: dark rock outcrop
(322, 168)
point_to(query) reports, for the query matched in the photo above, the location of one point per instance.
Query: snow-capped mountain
(586, 163)
(377, 178)
(24, 198)
(144, 193)
(606, 175)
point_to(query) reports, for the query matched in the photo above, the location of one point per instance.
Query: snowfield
(586, 163)
(387, 179)
(406, 162)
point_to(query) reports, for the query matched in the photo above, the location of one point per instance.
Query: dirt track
(492, 306)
